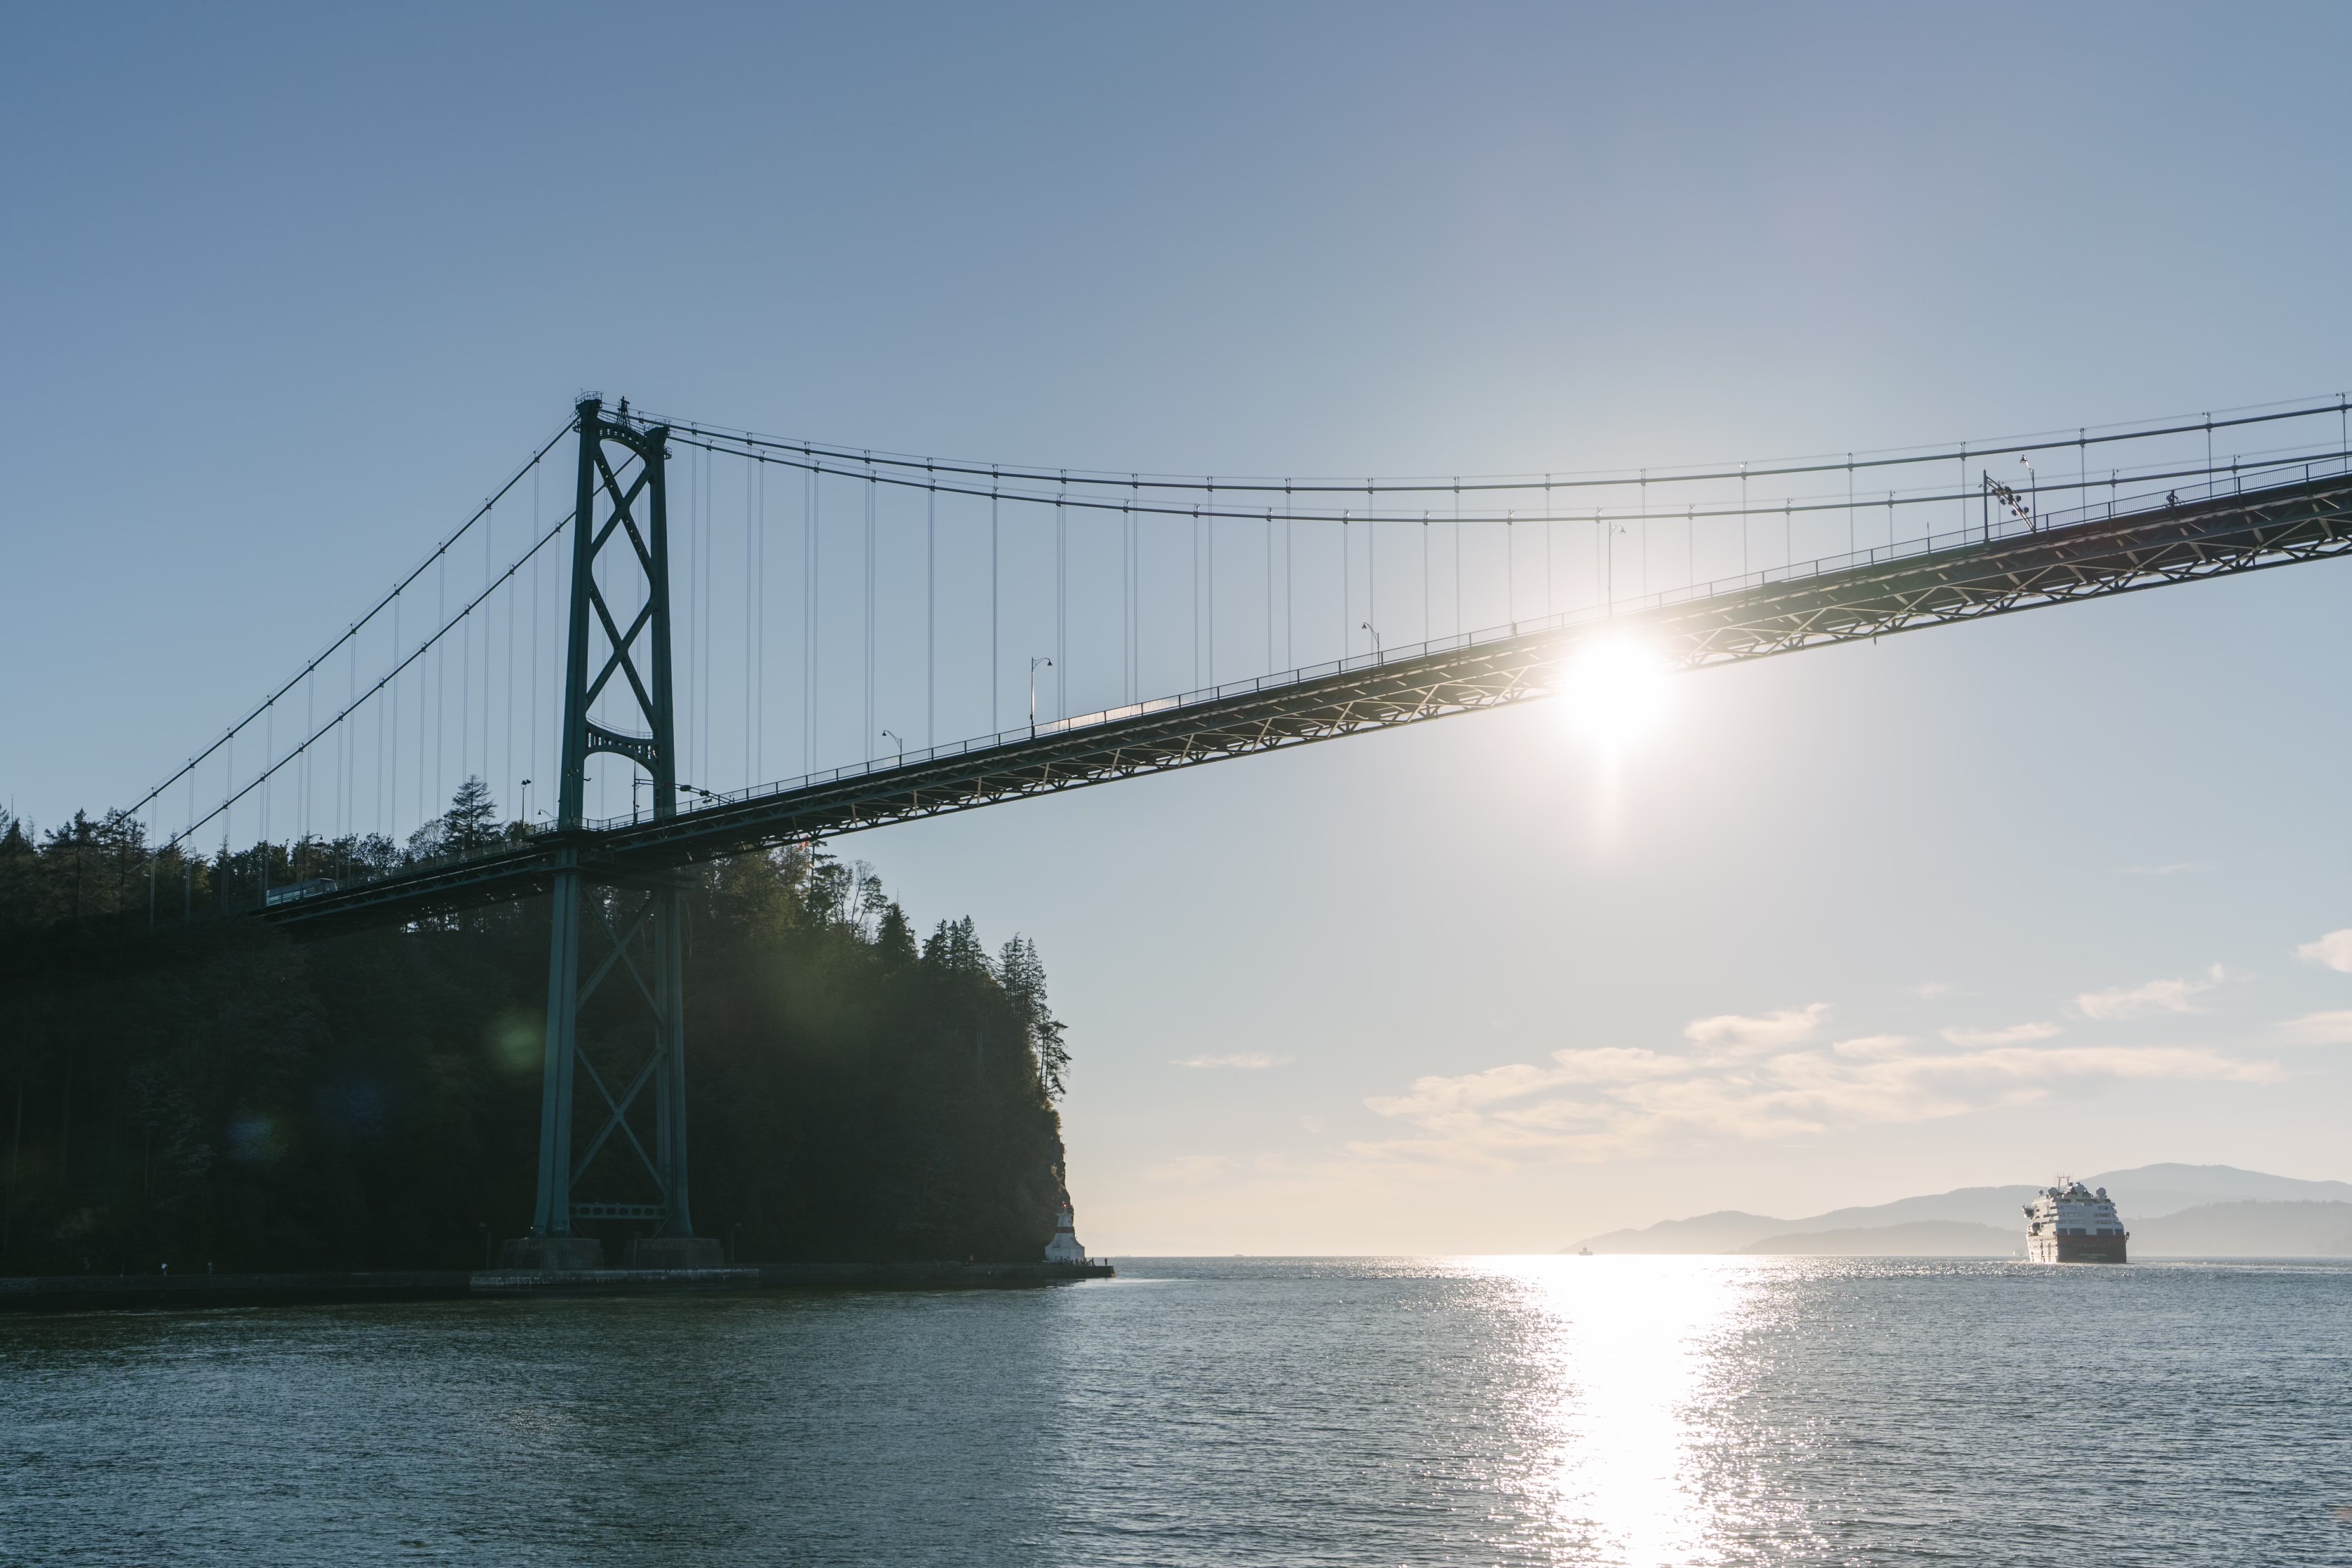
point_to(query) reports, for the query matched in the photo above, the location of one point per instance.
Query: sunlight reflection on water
(1627, 1351)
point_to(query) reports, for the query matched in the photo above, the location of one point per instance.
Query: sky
(286, 291)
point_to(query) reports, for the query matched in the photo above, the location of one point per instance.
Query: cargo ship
(2071, 1223)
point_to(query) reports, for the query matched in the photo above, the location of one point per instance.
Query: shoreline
(102, 1292)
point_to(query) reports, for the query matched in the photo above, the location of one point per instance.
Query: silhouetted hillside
(221, 1094)
(2144, 1195)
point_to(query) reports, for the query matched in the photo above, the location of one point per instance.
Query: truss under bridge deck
(1991, 571)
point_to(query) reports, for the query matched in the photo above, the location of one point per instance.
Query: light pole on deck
(1047, 661)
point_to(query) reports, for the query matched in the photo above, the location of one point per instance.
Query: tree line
(183, 1084)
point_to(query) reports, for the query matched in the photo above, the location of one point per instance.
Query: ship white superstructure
(2070, 1223)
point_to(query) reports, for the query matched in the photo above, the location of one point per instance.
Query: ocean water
(1508, 1410)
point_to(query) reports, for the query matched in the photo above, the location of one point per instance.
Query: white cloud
(1595, 1103)
(2016, 1034)
(2145, 1000)
(1252, 1061)
(1933, 989)
(1875, 1045)
(1784, 1029)
(2318, 1029)
(2334, 950)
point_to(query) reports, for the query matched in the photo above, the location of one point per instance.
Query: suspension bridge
(709, 584)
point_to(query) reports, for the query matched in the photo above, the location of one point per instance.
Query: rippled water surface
(1569, 1410)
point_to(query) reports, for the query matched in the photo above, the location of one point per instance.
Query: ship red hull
(2076, 1248)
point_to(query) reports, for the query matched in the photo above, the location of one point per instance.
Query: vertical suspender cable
(538, 591)
(1209, 664)
(751, 602)
(760, 647)
(701, 593)
(1510, 573)
(1060, 610)
(808, 620)
(537, 586)
(1458, 555)
(872, 735)
(465, 694)
(1959, 490)
(931, 616)
(489, 578)
(388, 754)
(388, 758)
(438, 661)
(996, 719)
(508, 717)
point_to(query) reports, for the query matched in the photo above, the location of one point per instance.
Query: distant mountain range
(2172, 1211)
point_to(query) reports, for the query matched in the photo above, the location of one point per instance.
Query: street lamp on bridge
(893, 735)
(1047, 661)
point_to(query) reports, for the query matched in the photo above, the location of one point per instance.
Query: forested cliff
(207, 1090)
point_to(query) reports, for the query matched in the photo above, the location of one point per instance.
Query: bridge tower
(633, 927)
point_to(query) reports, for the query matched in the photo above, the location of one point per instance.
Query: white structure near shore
(1065, 1247)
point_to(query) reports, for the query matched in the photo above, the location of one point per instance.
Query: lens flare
(1616, 690)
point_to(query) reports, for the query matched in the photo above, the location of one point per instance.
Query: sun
(1615, 691)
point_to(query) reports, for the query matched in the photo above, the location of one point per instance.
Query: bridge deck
(1868, 594)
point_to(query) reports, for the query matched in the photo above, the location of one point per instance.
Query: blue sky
(288, 291)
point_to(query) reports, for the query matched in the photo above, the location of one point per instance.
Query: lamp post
(1047, 661)
(526, 804)
(2032, 493)
(1375, 640)
(900, 741)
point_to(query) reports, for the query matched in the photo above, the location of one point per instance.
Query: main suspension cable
(355, 627)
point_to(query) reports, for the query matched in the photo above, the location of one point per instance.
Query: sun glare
(1616, 692)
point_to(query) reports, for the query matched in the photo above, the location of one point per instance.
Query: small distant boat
(2072, 1223)
(1584, 1252)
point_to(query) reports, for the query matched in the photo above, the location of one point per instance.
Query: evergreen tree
(1023, 973)
(471, 821)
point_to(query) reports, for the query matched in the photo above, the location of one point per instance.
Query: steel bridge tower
(621, 517)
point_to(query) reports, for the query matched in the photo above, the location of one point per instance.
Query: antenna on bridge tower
(631, 516)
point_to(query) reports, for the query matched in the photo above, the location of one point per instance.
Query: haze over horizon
(2062, 890)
